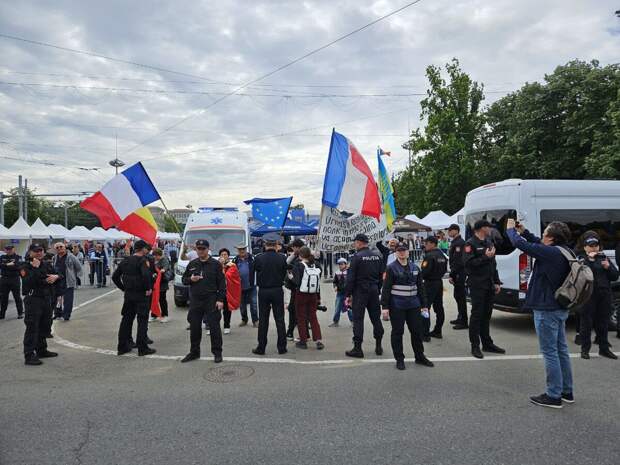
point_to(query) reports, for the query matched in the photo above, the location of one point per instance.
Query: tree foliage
(565, 127)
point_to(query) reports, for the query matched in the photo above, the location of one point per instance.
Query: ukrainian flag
(386, 191)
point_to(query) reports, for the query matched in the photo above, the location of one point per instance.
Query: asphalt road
(91, 407)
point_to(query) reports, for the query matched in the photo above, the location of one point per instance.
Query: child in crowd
(340, 280)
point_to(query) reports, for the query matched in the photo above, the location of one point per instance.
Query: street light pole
(116, 163)
(26, 200)
(20, 200)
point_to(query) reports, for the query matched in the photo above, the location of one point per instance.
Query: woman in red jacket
(233, 287)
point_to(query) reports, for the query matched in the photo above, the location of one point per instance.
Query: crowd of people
(384, 281)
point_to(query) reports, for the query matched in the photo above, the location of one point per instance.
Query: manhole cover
(228, 374)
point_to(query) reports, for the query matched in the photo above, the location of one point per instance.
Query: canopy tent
(436, 220)
(413, 217)
(404, 225)
(19, 230)
(119, 235)
(313, 223)
(455, 218)
(4, 232)
(58, 231)
(291, 228)
(38, 230)
(82, 233)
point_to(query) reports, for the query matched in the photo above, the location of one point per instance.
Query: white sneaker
(226, 330)
(153, 318)
(208, 332)
(164, 319)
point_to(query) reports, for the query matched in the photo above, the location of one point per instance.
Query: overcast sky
(81, 103)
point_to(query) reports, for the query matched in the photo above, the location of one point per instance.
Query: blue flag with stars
(272, 212)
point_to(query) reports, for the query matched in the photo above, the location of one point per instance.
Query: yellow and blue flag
(386, 191)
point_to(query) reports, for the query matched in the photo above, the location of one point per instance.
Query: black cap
(432, 239)
(202, 243)
(482, 224)
(592, 240)
(454, 226)
(362, 238)
(297, 243)
(36, 246)
(9, 246)
(139, 245)
(271, 238)
(401, 246)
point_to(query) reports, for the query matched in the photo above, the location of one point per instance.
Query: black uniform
(292, 314)
(364, 279)
(403, 293)
(434, 267)
(271, 270)
(134, 277)
(597, 311)
(37, 299)
(203, 295)
(482, 276)
(457, 273)
(10, 283)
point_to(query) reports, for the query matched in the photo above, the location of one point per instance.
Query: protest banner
(336, 231)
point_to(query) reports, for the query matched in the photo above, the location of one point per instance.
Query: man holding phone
(483, 282)
(207, 290)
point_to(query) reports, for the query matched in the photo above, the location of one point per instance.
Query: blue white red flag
(349, 185)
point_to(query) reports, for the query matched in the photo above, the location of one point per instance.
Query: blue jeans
(550, 327)
(248, 296)
(340, 298)
(67, 303)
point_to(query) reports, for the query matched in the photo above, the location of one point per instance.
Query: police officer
(134, 277)
(483, 282)
(207, 291)
(403, 298)
(457, 275)
(271, 268)
(363, 282)
(38, 278)
(434, 267)
(9, 281)
(597, 311)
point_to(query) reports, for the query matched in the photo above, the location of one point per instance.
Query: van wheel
(180, 303)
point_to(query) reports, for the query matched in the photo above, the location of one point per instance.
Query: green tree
(171, 225)
(443, 168)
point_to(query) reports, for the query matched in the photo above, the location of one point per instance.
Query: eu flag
(272, 212)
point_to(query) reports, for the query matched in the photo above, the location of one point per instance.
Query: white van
(222, 227)
(582, 205)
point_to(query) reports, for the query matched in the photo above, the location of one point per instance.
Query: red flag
(233, 287)
(155, 310)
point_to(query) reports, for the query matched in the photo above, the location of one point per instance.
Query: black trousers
(479, 321)
(434, 293)
(38, 321)
(8, 286)
(595, 314)
(366, 300)
(292, 314)
(134, 307)
(199, 309)
(460, 296)
(271, 299)
(413, 318)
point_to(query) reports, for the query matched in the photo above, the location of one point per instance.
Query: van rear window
(605, 222)
(498, 219)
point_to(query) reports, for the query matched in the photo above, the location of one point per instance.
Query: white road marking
(88, 302)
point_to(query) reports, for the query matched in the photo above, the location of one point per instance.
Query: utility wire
(271, 73)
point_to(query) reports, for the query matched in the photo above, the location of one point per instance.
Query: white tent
(168, 236)
(58, 231)
(81, 233)
(4, 232)
(19, 230)
(436, 220)
(38, 230)
(413, 217)
(454, 219)
(103, 234)
(119, 235)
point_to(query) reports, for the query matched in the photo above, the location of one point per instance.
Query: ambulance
(582, 205)
(223, 227)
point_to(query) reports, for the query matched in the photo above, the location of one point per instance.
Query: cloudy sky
(272, 139)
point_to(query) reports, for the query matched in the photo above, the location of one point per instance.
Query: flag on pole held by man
(386, 190)
(349, 185)
(272, 212)
(122, 202)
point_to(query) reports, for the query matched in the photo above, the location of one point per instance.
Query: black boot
(355, 352)
(378, 348)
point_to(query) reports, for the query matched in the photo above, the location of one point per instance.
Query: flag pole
(176, 226)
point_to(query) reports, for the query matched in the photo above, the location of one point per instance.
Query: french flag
(122, 202)
(349, 184)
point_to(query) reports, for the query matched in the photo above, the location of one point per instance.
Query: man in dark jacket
(549, 272)
(245, 265)
(483, 282)
(9, 281)
(207, 291)
(434, 267)
(457, 275)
